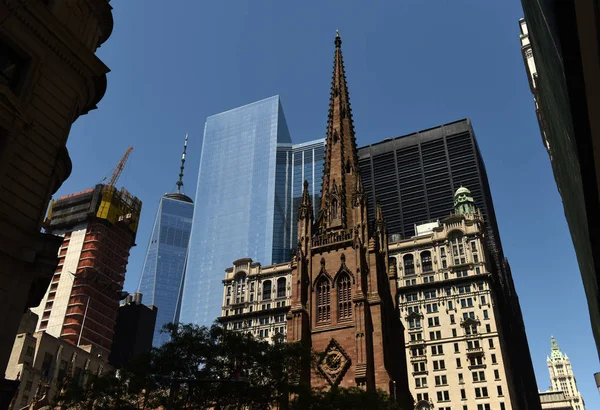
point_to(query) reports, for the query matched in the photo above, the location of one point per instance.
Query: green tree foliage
(212, 368)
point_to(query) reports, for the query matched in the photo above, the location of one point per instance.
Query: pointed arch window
(323, 301)
(344, 297)
(409, 265)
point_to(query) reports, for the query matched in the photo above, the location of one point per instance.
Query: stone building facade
(343, 292)
(454, 344)
(43, 364)
(256, 299)
(49, 76)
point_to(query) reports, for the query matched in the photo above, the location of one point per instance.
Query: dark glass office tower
(414, 177)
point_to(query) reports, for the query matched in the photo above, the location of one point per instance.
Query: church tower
(343, 290)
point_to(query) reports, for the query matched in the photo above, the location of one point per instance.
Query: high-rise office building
(244, 199)
(134, 330)
(98, 226)
(414, 178)
(304, 162)
(164, 265)
(448, 305)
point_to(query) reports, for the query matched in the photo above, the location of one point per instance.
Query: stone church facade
(343, 302)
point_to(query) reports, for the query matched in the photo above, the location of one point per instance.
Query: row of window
(457, 250)
(239, 289)
(441, 380)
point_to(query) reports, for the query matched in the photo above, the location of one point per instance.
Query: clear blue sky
(411, 65)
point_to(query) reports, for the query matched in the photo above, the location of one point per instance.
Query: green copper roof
(556, 353)
(463, 201)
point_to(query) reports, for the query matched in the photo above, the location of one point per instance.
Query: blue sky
(410, 65)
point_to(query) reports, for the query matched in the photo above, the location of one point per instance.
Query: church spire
(340, 172)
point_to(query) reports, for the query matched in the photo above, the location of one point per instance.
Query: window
(496, 374)
(29, 351)
(419, 367)
(491, 342)
(435, 335)
(430, 294)
(11, 66)
(479, 376)
(429, 279)
(465, 303)
(439, 365)
(478, 270)
(499, 390)
(433, 321)
(467, 315)
(481, 392)
(453, 332)
(281, 285)
(475, 258)
(323, 301)
(422, 396)
(444, 264)
(266, 293)
(494, 359)
(409, 265)
(460, 378)
(414, 323)
(344, 296)
(431, 307)
(443, 395)
(485, 314)
(442, 252)
(488, 328)
(421, 381)
(412, 297)
(450, 305)
(441, 380)
(412, 309)
(439, 349)
(502, 406)
(473, 247)
(463, 394)
(486, 406)
(448, 291)
(458, 364)
(426, 261)
(464, 289)
(456, 349)
(483, 300)
(452, 321)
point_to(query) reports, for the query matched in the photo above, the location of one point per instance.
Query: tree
(213, 368)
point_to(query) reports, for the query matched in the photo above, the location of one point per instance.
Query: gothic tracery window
(344, 296)
(334, 209)
(323, 300)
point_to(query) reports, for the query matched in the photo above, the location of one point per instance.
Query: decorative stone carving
(334, 363)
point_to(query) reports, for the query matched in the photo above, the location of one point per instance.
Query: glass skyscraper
(164, 265)
(296, 163)
(244, 199)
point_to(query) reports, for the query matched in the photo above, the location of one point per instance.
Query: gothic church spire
(340, 174)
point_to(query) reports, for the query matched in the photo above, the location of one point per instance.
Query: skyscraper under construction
(98, 226)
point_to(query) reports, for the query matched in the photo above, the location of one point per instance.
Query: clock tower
(343, 290)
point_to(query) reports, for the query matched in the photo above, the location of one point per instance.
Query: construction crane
(119, 168)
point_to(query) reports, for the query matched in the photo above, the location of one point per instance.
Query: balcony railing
(475, 351)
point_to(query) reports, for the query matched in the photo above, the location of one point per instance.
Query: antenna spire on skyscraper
(180, 180)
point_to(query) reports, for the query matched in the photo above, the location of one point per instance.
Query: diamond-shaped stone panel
(334, 363)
